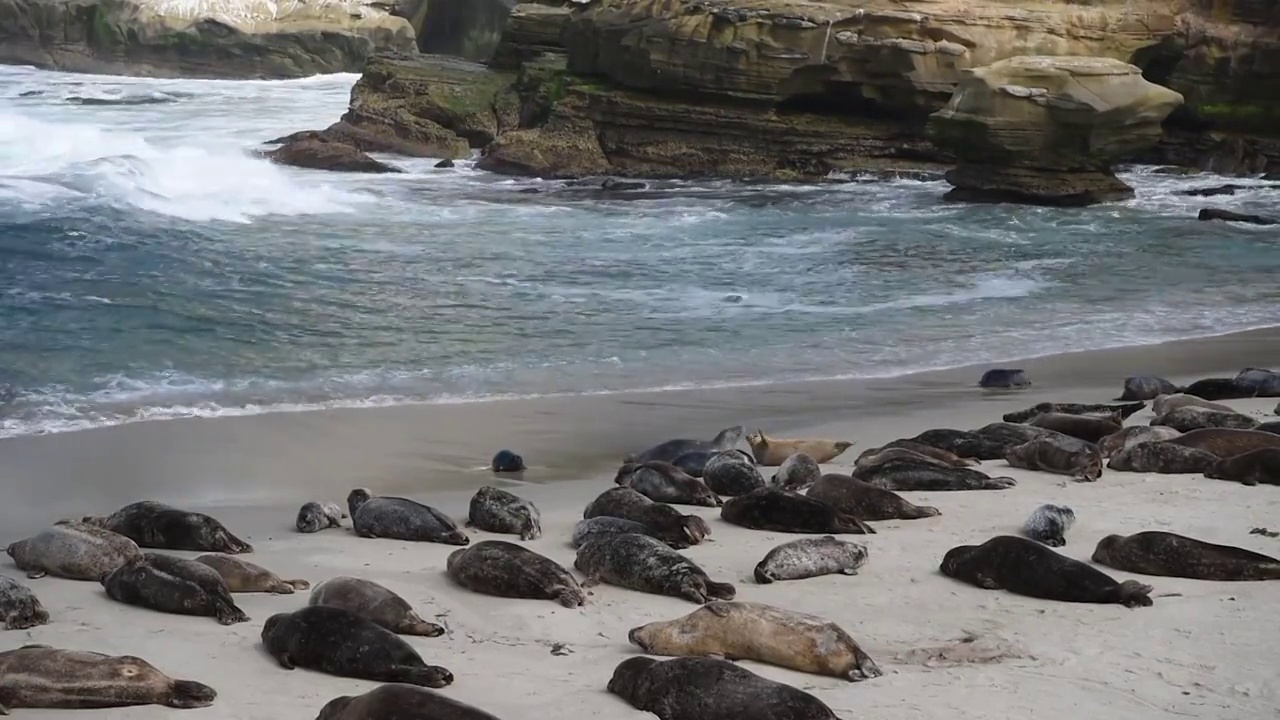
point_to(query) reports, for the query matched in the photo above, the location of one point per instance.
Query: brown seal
(944, 456)
(1251, 468)
(1170, 555)
(1165, 403)
(1085, 427)
(1061, 454)
(1225, 442)
(780, 511)
(866, 501)
(244, 577)
(772, 452)
(375, 603)
(663, 482)
(394, 701)
(39, 676)
(1162, 457)
(1134, 435)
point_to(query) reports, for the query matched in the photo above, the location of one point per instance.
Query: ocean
(153, 267)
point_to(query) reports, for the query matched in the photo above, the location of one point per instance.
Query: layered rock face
(1047, 130)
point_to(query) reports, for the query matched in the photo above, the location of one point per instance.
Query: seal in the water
(904, 475)
(710, 689)
(400, 702)
(752, 631)
(1226, 442)
(672, 449)
(174, 585)
(398, 518)
(499, 511)
(39, 676)
(74, 551)
(1220, 389)
(961, 443)
(339, 642)
(1084, 427)
(587, 530)
(1170, 555)
(1186, 419)
(375, 603)
(19, 607)
(639, 562)
(667, 523)
(1025, 567)
(1162, 457)
(1089, 409)
(1265, 383)
(153, 524)
(865, 501)
(1004, 378)
(772, 452)
(664, 482)
(1134, 435)
(1165, 403)
(1061, 454)
(779, 511)
(317, 516)
(732, 472)
(503, 569)
(1251, 468)
(506, 461)
(797, 473)
(1049, 524)
(1146, 387)
(242, 576)
(810, 557)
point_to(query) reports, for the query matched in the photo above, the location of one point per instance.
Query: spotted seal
(153, 524)
(19, 607)
(587, 530)
(732, 472)
(1048, 524)
(872, 456)
(639, 562)
(1251, 468)
(1004, 379)
(242, 576)
(1162, 457)
(779, 511)
(399, 518)
(1170, 555)
(1025, 567)
(1164, 403)
(772, 452)
(961, 443)
(497, 567)
(1186, 419)
(395, 701)
(1134, 435)
(1226, 442)
(74, 551)
(317, 516)
(1220, 389)
(865, 501)
(672, 449)
(810, 557)
(753, 631)
(1084, 427)
(664, 482)
(667, 523)
(174, 585)
(1060, 454)
(338, 642)
(39, 676)
(1086, 409)
(373, 602)
(797, 473)
(904, 475)
(498, 511)
(1146, 387)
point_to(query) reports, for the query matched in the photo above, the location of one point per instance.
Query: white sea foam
(236, 11)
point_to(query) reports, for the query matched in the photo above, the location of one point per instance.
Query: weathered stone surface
(468, 29)
(532, 30)
(317, 153)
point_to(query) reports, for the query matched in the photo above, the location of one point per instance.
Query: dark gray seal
(779, 511)
(506, 461)
(400, 702)
(1048, 524)
(39, 676)
(865, 501)
(667, 523)
(694, 462)
(1162, 457)
(1146, 387)
(375, 603)
(498, 511)
(1170, 555)
(797, 473)
(242, 576)
(904, 475)
(1084, 427)
(398, 518)
(961, 443)
(1087, 409)
(1060, 454)
(1252, 468)
(587, 530)
(732, 472)
(639, 562)
(1272, 427)
(672, 449)
(503, 569)
(1004, 378)
(892, 454)
(1165, 403)
(689, 688)
(1134, 435)
(870, 457)
(1011, 434)
(153, 524)
(1220, 389)
(19, 607)
(339, 642)
(1025, 567)
(1265, 383)
(74, 551)
(1226, 442)
(317, 516)
(810, 557)
(174, 585)
(664, 482)
(1186, 419)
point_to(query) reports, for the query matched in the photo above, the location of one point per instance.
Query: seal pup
(772, 452)
(1084, 427)
(904, 475)
(587, 530)
(667, 523)
(1186, 419)
(317, 516)
(399, 518)
(1227, 442)
(498, 511)
(39, 676)
(1134, 435)
(373, 602)
(1170, 555)
(664, 482)
(1063, 455)
(773, 509)
(394, 701)
(753, 631)
(1048, 524)
(865, 501)
(690, 688)
(1004, 378)
(1220, 389)
(19, 607)
(1165, 403)
(961, 443)
(732, 472)
(810, 557)
(870, 456)
(505, 461)
(797, 473)
(672, 449)
(1146, 387)
(1088, 409)
(74, 551)
(1265, 383)
(174, 585)
(503, 569)
(153, 524)
(244, 577)
(1251, 468)
(1025, 567)
(338, 642)
(639, 562)
(1162, 457)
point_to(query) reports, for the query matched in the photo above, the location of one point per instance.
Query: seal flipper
(1135, 594)
(191, 694)
(227, 613)
(430, 676)
(851, 524)
(285, 661)
(299, 584)
(720, 591)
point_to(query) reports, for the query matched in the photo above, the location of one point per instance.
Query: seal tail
(721, 591)
(1135, 594)
(851, 524)
(227, 613)
(864, 667)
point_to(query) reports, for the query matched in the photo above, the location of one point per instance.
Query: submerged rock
(1229, 216)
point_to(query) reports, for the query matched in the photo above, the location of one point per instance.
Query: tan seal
(772, 452)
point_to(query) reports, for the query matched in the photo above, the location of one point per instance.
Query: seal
(866, 501)
(689, 688)
(1060, 454)
(374, 603)
(639, 562)
(1025, 567)
(19, 607)
(667, 523)
(1251, 468)
(1146, 387)
(1272, 427)
(1012, 434)
(317, 516)
(1186, 419)
(1004, 378)
(587, 530)
(153, 524)
(174, 585)
(402, 702)
(693, 463)
(961, 443)
(943, 456)
(1220, 389)
(1048, 524)
(753, 631)
(905, 475)
(872, 459)
(1226, 442)
(39, 676)
(74, 551)
(664, 482)
(498, 511)
(672, 449)
(1090, 409)
(1164, 403)
(1084, 427)
(773, 509)
(1162, 457)
(810, 557)
(772, 452)
(338, 642)
(506, 461)
(732, 472)
(797, 473)
(398, 518)
(503, 569)
(1170, 555)
(1134, 435)
(1265, 383)
(244, 577)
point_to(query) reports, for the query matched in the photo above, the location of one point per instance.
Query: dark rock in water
(507, 461)
(468, 29)
(1273, 176)
(1004, 378)
(1220, 389)
(1176, 170)
(529, 191)
(319, 154)
(1146, 387)
(1227, 215)
(1266, 383)
(31, 93)
(1212, 191)
(621, 185)
(445, 163)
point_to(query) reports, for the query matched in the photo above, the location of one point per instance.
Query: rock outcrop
(312, 150)
(469, 29)
(1229, 216)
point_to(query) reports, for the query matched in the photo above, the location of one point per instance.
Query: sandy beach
(949, 650)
